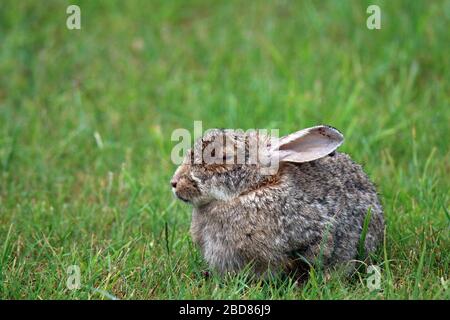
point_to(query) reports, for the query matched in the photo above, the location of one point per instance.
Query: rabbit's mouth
(182, 199)
(176, 194)
(194, 200)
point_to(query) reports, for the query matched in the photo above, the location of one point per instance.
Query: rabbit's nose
(173, 183)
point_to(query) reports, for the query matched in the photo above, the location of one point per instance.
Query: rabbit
(312, 208)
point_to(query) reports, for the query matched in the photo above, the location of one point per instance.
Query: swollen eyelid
(193, 177)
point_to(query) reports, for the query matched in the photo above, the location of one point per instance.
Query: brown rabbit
(313, 207)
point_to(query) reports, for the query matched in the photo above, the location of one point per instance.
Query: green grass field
(86, 118)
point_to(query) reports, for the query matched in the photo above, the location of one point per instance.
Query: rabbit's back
(337, 190)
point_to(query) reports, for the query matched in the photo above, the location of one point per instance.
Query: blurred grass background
(86, 117)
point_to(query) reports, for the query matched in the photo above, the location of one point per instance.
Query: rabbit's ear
(308, 144)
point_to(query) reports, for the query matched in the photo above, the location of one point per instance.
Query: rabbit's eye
(227, 156)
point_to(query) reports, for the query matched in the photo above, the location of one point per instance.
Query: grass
(86, 118)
